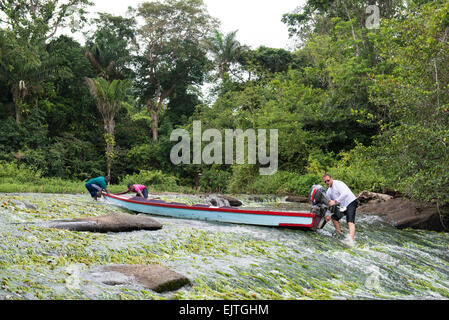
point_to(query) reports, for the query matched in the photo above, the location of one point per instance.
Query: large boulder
(403, 213)
(232, 201)
(154, 277)
(115, 222)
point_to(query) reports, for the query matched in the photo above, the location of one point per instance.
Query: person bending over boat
(139, 189)
(339, 193)
(96, 185)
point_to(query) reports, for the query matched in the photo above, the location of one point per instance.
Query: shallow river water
(222, 261)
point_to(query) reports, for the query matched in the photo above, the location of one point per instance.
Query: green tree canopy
(226, 50)
(111, 45)
(174, 55)
(29, 25)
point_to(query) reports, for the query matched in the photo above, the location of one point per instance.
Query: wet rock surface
(114, 222)
(223, 200)
(300, 199)
(400, 212)
(154, 277)
(373, 197)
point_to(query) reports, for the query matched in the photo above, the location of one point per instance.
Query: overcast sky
(258, 21)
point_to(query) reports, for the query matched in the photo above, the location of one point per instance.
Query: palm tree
(108, 50)
(109, 98)
(226, 50)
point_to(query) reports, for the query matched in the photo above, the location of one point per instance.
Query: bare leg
(351, 227)
(337, 226)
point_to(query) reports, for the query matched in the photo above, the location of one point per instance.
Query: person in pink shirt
(140, 189)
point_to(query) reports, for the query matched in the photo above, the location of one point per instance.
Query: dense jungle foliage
(368, 105)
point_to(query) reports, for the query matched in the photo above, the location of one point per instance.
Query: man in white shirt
(339, 193)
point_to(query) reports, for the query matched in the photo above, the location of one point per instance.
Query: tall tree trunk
(154, 106)
(19, 92)
(109, 128)
(18, 112)
(154, 114)
(437, 82)
(155, 126)
(357, 49)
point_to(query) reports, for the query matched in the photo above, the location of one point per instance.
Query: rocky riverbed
(205, 260)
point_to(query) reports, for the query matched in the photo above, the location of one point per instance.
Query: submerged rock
(115, 222)
(300, 199)
(23, 204)
(223, 200)
(154, 277)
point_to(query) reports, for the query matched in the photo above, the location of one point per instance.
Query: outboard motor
(320, 204)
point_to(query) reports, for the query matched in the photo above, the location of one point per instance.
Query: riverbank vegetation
(368, 105)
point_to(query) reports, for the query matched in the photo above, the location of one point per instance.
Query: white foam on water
(348, 241)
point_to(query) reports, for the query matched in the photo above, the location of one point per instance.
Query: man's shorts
(349, 213)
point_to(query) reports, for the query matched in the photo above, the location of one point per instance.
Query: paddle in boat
(312, 220)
